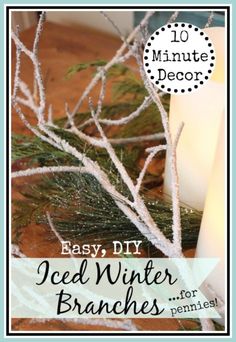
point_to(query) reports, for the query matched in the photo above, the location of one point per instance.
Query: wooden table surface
(60, 48)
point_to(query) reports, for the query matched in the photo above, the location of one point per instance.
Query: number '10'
(181, 37)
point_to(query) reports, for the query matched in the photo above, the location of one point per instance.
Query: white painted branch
(101, 95)
(21, 46)
(90, 140)
(173, 17)
(28, 101)
(148, 137)
(47, 169)
(146, 227)
(148, 160)
(174, 174)
(17, 69)
(207, 324)
(177, 231)
(38, 32)
(116, 122)
(51, 225)
(55, 232)
(115, 141)
(176, 227)
(38, 81)
(122, 121)
(38, 77)
(179, 131)
(50, 116)
(31, 128)
(36, 47)
(119, 166)
(15, 251)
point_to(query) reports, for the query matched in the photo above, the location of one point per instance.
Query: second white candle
(201, 114)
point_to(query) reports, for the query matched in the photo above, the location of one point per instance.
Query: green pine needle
(83, 211)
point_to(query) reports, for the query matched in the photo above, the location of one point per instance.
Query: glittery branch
(148, 137)
(173, 17)
(122, 121)
(47, 169)
(152, 152)
(17, 69)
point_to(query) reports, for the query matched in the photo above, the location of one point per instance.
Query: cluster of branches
(133, 206)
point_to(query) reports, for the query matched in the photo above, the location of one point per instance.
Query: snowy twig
(55, 232)
(153, 151)
(30, 127)
(37, 70)
(207, 324)
(17, 70)
(122, 121)
(101, 95)
(171, 147)
(36, 47)
(50, 116)
(15, 251)
(141, 138)
(47, 169)
(173, 17)
(28, 100)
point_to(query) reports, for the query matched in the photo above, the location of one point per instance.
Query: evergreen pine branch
(83, 66)
(83, 211)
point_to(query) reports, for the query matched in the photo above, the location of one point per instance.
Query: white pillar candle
(211, 241)
(201, 113)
